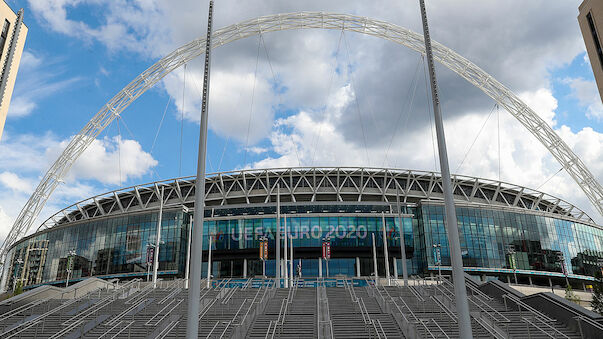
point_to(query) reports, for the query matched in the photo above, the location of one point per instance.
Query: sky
(294, 98)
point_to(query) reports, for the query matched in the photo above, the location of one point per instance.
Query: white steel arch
(301, 20)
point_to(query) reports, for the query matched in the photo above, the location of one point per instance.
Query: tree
(18, 288)
(570, 295)
(597, 302)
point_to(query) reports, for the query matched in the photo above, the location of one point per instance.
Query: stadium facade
(507, 231)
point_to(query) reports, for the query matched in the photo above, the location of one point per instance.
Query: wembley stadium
(507, 231)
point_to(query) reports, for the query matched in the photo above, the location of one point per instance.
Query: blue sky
(312, 108)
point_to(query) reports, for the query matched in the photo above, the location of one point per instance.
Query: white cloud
(524, 161)
(37, 79)
(24, 158)
(587, 93)
(14, 182)
(112, 161)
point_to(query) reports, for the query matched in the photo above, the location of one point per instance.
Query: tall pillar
(402, 240)
(319, 267)
(194, 292)
(278, 237)
(375, 272)
(458, 275)
(286, 250)
(385, 253)
(395, 268)
(244, 268)
(357, 267)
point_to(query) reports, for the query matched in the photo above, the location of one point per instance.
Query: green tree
(18, 288)
(570, 295)
(597, 302)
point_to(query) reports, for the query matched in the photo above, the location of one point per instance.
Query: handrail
(365, 315)
(21, 308)
(527, 307)
(212, 329)
(528, 322)
(253, 301)
(438, 326)
(268, 330)
(121, 329)
(444, 308)
(177, 301)
(499, 316)
(416, 293)
(378, 322)
(170, 295)
(589, 321)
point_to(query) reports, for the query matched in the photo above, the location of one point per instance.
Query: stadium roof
(313, 184)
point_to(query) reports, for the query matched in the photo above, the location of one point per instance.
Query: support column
(188, 253)
(395, 268)
(286, 250)
(158, 239)
(244, 268)
(385, 253)
(209, 268)
(357, 267)
(530, 279)
(402, 240)
(278, 237)
(319, 267)
(194, 292)
(458, 275)
(375, 272)
(291, 260)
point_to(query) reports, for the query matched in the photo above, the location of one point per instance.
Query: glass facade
(117, 246)
(537, 242)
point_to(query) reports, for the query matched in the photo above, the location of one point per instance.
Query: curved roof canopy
(305, 184)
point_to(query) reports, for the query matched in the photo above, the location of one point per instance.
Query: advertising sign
(150, 255)
(70, 263)
(436, 256)
(326, 250)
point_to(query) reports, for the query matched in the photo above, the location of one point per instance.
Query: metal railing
(555, 334)
(580, 319)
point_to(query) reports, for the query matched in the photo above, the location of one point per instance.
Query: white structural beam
(290, 21)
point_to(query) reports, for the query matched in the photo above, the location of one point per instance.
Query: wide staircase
(430, 310)
(255, 308)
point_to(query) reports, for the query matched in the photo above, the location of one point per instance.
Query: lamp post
(437, 257)
(326, 251)
(19, 261)
(561, 260)
(263, 254)
(150, 256)
(512, 261)
(209, 262)
(375, 273)
(70, 259)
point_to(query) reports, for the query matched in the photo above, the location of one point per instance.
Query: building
(12, 41)
(506, 230)
(591, 23)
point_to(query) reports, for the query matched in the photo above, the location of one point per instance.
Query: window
(593, 31)
(4, 35)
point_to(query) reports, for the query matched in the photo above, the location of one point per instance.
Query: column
(320, 267)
